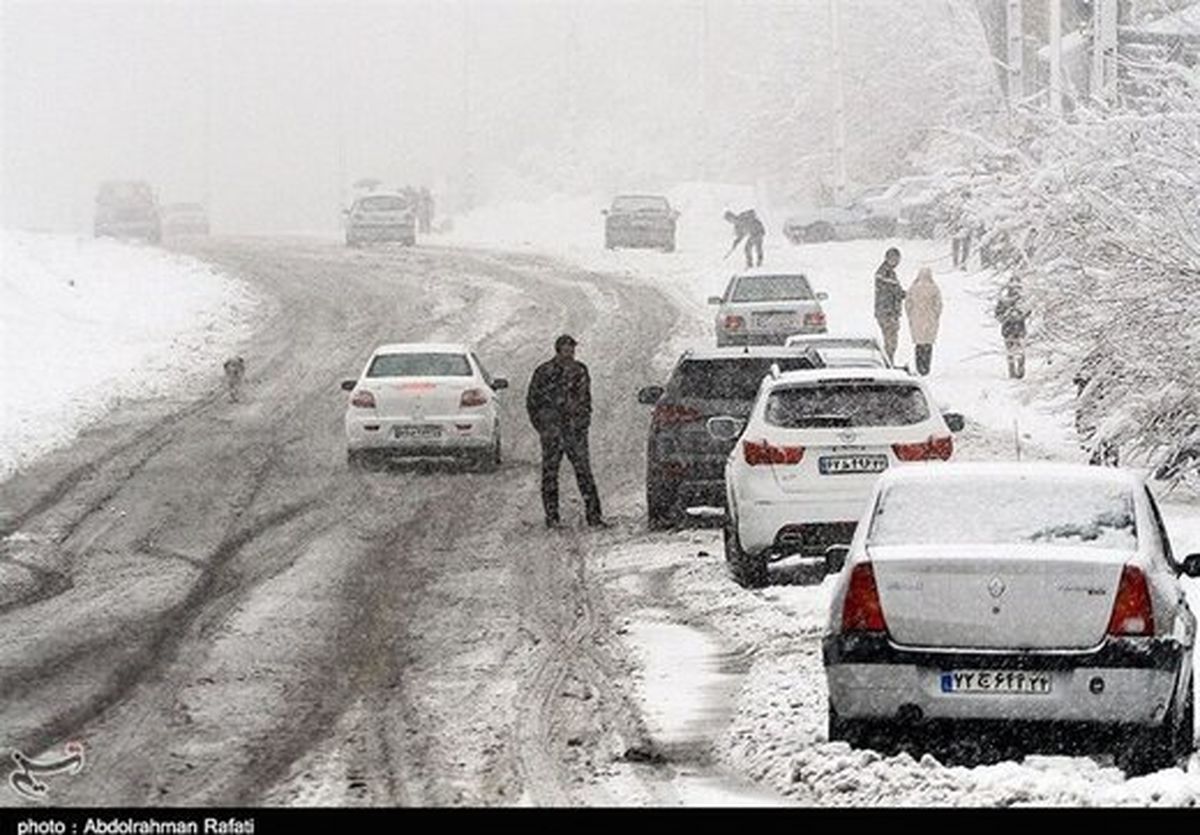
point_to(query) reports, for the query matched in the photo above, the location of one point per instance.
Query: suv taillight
(1133, 613)
(671, 414)
(734, 323)
(930, 450)
(862, 610)
(757, 453)
(472, 397)
(363, 400)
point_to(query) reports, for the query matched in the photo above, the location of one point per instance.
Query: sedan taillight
(472, 397)
(363, 400)
(734, 323)
(758, 453)
(862, 610)
(1133, 612)
(814, 320)
(934, 449)
(672, 414)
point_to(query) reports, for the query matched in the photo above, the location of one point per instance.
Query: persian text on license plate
(418, 431)
(840, 464)
(999, 682)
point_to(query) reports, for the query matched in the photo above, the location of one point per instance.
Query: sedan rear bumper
(1124, 681)
(398, 437)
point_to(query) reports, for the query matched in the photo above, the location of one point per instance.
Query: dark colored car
(127, 209)
(640, 220)
(685, 464)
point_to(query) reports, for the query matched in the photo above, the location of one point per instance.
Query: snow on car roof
(1041, 471)
(805, 338)
(423, 348)
(821, 375)
(747, 351)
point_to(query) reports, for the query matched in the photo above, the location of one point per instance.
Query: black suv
(642, 220)
(685, 465)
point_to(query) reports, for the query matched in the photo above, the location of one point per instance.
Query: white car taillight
(932, 449)
(471, 398)
(862, 610)
(363, 400)
(762, 452)
(1133, 613)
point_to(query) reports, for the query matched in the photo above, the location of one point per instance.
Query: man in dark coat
(1011, 313)
(748, 227)
(889, 296)
(559, 403)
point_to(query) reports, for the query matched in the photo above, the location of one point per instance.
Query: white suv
(424, 400)
(810, 453)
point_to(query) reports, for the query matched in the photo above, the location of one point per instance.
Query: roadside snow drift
(85, 324)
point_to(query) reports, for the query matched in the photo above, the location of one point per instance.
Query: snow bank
(87, 323)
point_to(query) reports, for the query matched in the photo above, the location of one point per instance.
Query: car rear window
(845, 356)
(382, 204)
(420, 365)
(735, 378)
(765, 288)
(640, 204)
(846, 404)
(1017, 511)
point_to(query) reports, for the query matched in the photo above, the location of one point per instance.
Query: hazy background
(268, 111)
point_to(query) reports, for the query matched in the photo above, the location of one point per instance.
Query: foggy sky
(269, 110)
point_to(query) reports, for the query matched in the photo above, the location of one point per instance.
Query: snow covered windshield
(382, 204)
(640, 204)
(1017, 511)
(419, 365)
(730, 379)
(767, 288)
(846, 404)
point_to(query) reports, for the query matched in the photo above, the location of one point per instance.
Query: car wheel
(356, 459)
(749, 570)
(490, 461)
(1152, 749)
(661, 512)
(1185, 730)
(819, 233)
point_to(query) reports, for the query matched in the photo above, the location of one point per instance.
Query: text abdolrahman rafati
(131, 826)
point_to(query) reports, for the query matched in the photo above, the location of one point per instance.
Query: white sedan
(1040, 596)
(809, 456)
(424, 400)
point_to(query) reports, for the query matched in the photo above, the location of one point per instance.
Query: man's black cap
(564, 340)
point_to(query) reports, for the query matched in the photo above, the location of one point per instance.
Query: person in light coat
(923, 304)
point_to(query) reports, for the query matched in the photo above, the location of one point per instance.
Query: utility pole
(1104, 50)
(1056, 57)
(839, 105)
(1015, 38)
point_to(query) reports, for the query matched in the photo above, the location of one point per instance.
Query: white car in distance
(842, 350)
(418, 400)
(1041, 596)
(808, 457)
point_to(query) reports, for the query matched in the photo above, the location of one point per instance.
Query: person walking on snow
(747, 226)
(559, 403)
(1011, 313)
(923, 304)
(888, 297)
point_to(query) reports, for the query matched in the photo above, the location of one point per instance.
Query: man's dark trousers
(557, 442)
(754, 247)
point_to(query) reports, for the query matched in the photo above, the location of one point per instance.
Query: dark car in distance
(640, 220)
(685, 463)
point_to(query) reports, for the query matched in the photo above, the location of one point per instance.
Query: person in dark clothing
(559, 403)
(1011, 313)
(748, 227)
(889, 296)
(424, 210)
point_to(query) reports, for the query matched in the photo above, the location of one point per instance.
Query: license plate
(772, 320)
(418, 431)
(997, 682)
(842, 464)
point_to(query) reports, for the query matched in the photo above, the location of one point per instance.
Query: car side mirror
(822, 296)
(725, 428)
(499, 383)
(649, 395)
(348, 385)
(1191, 565)
(715, 300)
(954, 421)
(835, 557)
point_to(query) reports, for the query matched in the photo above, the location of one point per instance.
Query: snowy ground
(776, 731)
(87, 323)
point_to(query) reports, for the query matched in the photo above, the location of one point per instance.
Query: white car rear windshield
(767, 288)
(382, 204)
(641, 204)
(958, 511)
(420, 365)
(848, 403)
